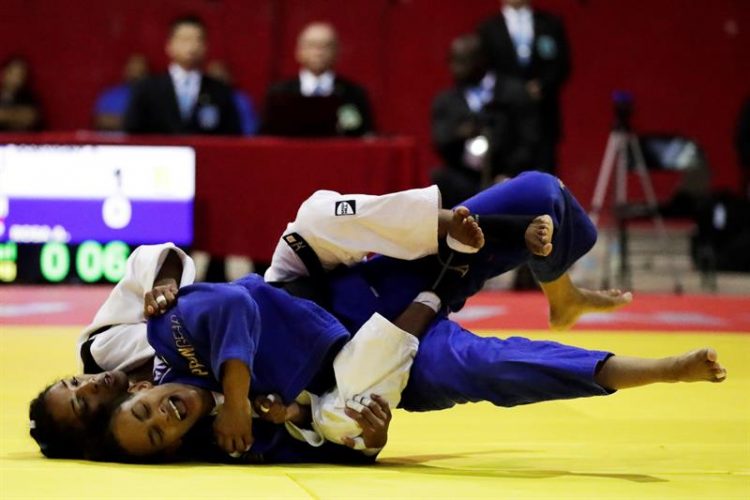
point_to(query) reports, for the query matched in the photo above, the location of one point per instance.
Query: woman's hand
(233, 428)
(159, 299)
(374, 417)
(270, 408)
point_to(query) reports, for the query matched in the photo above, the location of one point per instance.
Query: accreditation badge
(546, 47)
(349, 118)
(208, 117)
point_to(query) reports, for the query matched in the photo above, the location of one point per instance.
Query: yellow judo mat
(662, 441)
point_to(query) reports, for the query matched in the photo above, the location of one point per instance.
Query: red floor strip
(508, 310)
(76, 305)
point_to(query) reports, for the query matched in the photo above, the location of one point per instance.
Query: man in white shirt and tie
(316, 53)
(183, 100)
(528, 50)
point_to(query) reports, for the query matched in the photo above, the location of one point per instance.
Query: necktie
(185, 99)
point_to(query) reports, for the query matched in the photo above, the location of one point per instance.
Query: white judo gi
(341, 229)
(124, 346)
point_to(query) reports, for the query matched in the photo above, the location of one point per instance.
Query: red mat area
(76, 305)
(50, 305)
(528, 310)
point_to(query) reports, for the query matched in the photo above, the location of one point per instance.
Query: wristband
(429, 299)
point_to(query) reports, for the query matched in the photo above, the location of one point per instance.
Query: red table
(247, 189)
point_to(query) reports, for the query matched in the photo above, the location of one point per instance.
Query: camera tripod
(623, 145)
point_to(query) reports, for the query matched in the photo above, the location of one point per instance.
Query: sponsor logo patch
(346, 207)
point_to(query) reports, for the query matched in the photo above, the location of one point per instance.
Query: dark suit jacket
(510, 130)
(153, 109)
(550, 62)
(348, 91)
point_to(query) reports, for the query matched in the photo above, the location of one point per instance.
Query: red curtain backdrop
(686, 62)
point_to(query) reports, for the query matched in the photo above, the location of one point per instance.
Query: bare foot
(539, 236)
(697, 366)
(465, 229)
(564, 313)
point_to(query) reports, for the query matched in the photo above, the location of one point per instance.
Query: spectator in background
(183, 100)
(109, 111)
(471, 128)
(19, 108)
(528, 50)
(350, 114)
(218, 70)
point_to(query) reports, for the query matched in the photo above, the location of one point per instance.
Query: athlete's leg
(454, 366)
(621, 372)
(388, 285)
(536, 193)
(567, 302)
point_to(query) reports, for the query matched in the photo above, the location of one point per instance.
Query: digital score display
(74, 213)
(89, 262)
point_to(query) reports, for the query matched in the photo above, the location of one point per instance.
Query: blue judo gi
(286, 342)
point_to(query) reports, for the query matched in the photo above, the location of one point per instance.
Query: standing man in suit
(317, 49)
(528, 50)
(183, 100)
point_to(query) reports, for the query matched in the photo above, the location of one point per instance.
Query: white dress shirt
(311, 85)
(520, 23)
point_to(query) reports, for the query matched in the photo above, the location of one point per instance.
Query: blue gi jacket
(284, 341)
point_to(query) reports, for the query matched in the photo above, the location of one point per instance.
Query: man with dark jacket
(183, 100)
(480, 139)
(341, 106)
(528, 50)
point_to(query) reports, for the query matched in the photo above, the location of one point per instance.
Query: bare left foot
(564, 314)
(539, 236)
(465, 229)
(697, 366)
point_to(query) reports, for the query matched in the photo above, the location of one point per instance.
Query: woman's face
(74, 401)
(156, 418)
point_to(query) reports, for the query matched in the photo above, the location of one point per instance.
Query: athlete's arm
(374, 420)
(166, 285)
(233, 425)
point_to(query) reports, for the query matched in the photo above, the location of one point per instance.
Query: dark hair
(189, 20)
(54, 440)
(57, 440)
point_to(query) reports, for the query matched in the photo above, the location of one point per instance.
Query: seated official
(183, 100)
(318, 102)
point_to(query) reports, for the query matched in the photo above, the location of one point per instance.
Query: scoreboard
(74, 213)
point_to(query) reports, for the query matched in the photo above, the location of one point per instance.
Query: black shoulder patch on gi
(346, 207)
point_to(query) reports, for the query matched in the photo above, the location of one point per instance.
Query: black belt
(307, 255)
